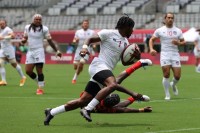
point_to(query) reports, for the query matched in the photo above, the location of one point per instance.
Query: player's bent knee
(39, 65)
(13, 61)
(113, 86)
(177, 77)
(28, 72)
(2, 63)
(75, 62)
(82, 60)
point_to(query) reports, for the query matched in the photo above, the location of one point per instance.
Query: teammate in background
(34, 34)
(171, 37)
(79, 38)
(197, 52)
(7, 53)
(90, 93)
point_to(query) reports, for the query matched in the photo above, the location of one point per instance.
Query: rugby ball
(130, 54)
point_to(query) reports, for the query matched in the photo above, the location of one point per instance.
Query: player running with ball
(113, 43)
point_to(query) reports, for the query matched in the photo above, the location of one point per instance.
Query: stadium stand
(109, 21)
(68, 14)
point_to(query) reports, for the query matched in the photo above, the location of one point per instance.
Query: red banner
(186, 58)
(67, 36)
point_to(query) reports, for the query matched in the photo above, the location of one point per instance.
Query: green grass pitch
(21, 111)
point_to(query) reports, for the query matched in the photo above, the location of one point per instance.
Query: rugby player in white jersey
(197, 52)
(116, 43)
(112, 44)
(79, 38)
(7, 53)
(34, 34)
(170, 37)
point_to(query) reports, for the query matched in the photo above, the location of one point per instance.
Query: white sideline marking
(175, 100)
(178, 130)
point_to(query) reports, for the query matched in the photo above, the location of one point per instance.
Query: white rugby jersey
(35, 39)
(82, 35)
(4, 32)
(112, 45)
(198, 41)
(166, 36)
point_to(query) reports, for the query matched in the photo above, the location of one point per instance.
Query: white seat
(172, 8)
(128, 10)
(72, 11)
(193, 8)
(91, 10)
(109, 10)
(54, 11)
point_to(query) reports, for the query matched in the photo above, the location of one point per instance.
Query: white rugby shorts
(97, 66)
(35, 56)
(170, 58)
(8, 52)
(196, 53)
(77, 57)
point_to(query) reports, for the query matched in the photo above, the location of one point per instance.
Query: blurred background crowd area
(65, 15)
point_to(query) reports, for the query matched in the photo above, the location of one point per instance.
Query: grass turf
(23, 112)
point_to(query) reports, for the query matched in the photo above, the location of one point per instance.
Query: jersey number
(169, 33)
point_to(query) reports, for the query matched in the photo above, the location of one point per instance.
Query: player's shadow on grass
(102, 125)
(120, 125)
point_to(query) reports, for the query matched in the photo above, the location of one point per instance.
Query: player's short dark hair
(111, 100)
(125, 21)
(167, 14)
(3, 20)
(85, 20)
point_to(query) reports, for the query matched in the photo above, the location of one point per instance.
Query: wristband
(131, 99)
(85, 46)
(57, 52)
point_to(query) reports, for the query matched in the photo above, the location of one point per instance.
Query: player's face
(37, 21)
(169, 20)
(2, 24)
(128, 31)
(85, 25)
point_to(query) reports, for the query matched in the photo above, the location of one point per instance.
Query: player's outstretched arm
(133, 110)
(126, 102)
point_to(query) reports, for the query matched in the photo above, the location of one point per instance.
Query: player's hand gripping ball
(130, 54)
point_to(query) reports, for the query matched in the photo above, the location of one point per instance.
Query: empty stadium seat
(109, 10)
(54, 11)
(72, 11)
(173, 8)
(193, 8)
(91, 10)
(128, 10)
